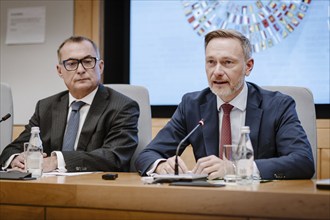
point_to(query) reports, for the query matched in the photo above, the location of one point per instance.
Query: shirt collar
(88, 99)
(239, 101)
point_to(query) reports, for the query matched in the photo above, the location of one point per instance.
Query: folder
(15, 175)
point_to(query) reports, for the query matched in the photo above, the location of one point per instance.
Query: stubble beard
(226, 93)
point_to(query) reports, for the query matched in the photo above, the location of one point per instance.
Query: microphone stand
(176, 166)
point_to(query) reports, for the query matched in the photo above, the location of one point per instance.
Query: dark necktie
(226, 128)
(72, 129)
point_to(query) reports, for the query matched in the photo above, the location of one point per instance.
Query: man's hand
(213, 166)
(50, 163)
(167, 167)
(18, 162)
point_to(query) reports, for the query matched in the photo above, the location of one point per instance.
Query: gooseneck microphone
(4, 118)
(176, 166)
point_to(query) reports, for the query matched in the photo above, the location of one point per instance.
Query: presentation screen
(290, 44)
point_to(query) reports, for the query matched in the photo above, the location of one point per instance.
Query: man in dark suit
(107, 132)
(281, 147)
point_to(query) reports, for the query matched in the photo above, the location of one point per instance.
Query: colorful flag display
(265, 23)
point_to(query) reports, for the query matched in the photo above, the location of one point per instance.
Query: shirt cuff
(154, 166)
(10, 159)
(60, 161)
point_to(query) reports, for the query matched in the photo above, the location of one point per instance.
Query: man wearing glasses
(103, 138)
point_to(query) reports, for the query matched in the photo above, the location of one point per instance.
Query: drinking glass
(230, 156)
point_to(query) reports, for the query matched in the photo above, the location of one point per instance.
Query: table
(90, 197)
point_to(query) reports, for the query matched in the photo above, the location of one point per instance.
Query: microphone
(176, 166)
(4, 118)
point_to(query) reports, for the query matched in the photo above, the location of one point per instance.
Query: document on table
(163, 178)
(56, 173)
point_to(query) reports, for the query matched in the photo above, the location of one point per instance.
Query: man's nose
(81, 68)
(218, 69)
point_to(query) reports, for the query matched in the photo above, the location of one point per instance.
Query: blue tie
(72, 129)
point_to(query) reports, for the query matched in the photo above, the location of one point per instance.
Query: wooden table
(90, 197)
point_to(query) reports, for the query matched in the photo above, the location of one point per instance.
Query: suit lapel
(97, 108)
(59, 117)
(253, 115)
(211, 126)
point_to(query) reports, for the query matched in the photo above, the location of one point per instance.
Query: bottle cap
(35, 129)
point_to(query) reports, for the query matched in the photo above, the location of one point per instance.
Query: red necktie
(225, 129)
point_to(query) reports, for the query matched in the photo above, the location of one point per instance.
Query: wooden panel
(323, 138)
(323, 133)
(325, 165)
(209, 201)
(96, 22)
(127, 196)
(158, 124)
(102, 214)
(323, 145)
(323, 123)
(51, 193)
(13, 212)
(88, 21)
(83, 17)
(318, 164)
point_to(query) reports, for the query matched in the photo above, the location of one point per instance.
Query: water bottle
(245, 161)
(34, 157)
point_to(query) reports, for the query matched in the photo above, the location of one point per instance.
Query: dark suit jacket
(281, 148)
(108, 137)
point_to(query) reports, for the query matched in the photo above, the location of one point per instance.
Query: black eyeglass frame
(80, 61)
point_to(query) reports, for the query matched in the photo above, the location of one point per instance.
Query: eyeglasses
(87, 63)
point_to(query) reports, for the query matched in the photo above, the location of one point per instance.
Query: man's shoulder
(198, 96)
(55, 97)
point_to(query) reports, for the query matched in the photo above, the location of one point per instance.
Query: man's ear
(101, 66)
(59, 71)
(249, 66)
